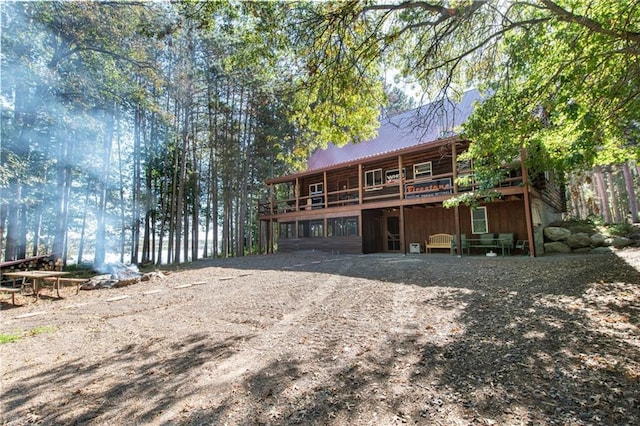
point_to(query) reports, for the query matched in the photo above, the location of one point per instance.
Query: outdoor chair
(464, 244)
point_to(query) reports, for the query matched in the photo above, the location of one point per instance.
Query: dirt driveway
(337, 340)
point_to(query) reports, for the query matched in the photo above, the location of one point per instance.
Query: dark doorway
(393, 233)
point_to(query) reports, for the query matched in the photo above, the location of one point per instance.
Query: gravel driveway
(336, 340)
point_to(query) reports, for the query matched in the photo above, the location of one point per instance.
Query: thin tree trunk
(84, 225)
(631, 193)
(601, 192)
(103, 186)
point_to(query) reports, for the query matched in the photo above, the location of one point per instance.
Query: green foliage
(472, 198)
(569, 95)
(588, 226)
(622, 229)
(561, 77)
(9, 338)
(14, 337)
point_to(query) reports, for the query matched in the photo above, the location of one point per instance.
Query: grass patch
(40, 330)
(14, 337)
(8, 338)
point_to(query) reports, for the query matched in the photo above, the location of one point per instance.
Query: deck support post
(527, 202)
(456, 209)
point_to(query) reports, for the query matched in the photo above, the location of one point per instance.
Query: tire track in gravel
(258, 352)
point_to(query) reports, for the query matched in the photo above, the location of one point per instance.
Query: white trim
(483, 220)
(376, 183)
(427, 172)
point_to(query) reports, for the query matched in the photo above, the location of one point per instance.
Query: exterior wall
(502, 217)
(344, 193)
(326, 244)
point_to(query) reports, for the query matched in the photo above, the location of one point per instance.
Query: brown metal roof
(433, 123)
(425, 124)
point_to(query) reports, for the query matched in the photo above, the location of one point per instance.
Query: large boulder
(579, 240)
(599, 250)
(556, 233)
(597, 240)
(617, 242)
(556, 247)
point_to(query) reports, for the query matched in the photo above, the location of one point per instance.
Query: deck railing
(436, 186)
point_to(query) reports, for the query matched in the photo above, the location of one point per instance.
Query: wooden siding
(503, 217)
(328, 244)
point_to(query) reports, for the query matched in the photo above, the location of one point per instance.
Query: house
(387, 194)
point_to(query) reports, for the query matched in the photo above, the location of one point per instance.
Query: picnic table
(37, 279)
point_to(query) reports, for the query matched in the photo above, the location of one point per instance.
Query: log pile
(43, 262)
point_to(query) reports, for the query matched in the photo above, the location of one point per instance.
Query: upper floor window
(373, 179)
(479, 223)
(316, 188)
(393, 175)
(422, 170)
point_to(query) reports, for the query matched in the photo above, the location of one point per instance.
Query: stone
(556, 247)
(582, 250)
(597, 240)
(556, 233)
(617, 242)
(579, 240)
(600, 250)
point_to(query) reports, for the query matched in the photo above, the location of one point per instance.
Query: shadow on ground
(534, 345)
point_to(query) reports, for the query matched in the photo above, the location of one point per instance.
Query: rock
(599, 250)
(597, 240)
(556, 233)
(617, 242)
(556, 247)
(581, 250)
(579, 240)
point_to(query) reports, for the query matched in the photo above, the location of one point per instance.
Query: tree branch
(589, 23)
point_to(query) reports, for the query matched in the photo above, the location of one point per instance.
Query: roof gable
(422, 125)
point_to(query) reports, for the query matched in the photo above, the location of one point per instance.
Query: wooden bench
(61, 280)
(12, 291)
(438, 241)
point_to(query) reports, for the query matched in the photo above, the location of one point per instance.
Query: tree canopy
(127, 123)
(561, 77)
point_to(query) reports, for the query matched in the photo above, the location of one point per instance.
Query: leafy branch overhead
(561, 77)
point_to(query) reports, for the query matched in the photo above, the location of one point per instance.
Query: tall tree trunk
(135, 220)
(11, 249)
(611, 181)
(3, 221)
(103, 186)
(631, 193)
(123, 210)
(84, 225)
(63, 183)
(601, 192)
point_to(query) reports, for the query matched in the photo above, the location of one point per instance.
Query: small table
(37, 278)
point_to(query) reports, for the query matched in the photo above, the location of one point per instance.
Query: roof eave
(415, 148)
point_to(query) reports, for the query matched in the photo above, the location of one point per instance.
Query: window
(479, 223)
(287, 230)
(311, 228)
(393, 176)
(316, 228)
(316, 188)
(342, 227)
(422, 170)
(373, 179)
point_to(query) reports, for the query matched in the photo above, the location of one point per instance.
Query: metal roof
(426, 124)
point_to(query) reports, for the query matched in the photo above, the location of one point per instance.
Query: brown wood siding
(503, 217)
(328, 244)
